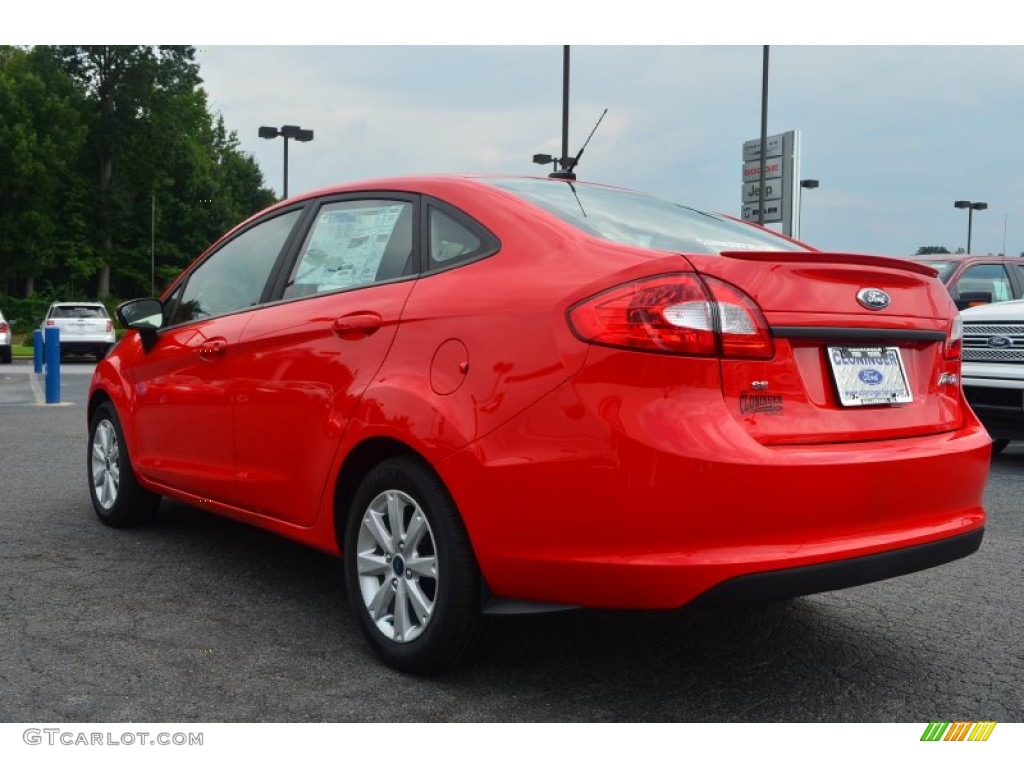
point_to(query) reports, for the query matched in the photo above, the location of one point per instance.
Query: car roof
(428, 184)
(963, 257)
(435, 183)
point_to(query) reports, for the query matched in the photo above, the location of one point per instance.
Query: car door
(310, 356)
(183, 416)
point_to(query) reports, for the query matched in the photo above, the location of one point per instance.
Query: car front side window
(235, 276)
(988, 279)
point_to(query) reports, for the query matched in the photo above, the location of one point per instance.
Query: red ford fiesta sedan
(518, 394)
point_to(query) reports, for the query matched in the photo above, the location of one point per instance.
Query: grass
(21, 345)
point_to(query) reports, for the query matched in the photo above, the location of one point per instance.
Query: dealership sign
(781, 187)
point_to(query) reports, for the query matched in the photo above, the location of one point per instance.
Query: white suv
(85, 327)
(993, 368)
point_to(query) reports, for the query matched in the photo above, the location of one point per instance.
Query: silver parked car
(5, 340)
(85, 327)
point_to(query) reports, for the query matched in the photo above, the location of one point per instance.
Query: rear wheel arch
(357, 464)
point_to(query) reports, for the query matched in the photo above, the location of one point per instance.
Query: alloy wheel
(106, 474)
(397, 566)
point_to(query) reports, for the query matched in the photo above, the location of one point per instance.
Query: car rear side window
(455, 239)
(354, 243)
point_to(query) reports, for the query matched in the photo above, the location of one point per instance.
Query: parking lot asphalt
(20, 385)
(198, 619)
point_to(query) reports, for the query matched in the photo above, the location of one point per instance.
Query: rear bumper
(1001, 409)
(87, 344)
(649, 494)
(826, 577)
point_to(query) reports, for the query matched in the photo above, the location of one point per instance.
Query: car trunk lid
(860, 348)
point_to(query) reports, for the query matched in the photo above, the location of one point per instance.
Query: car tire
(117, 497)
(5, 355)
(998, 446)
(412, 578)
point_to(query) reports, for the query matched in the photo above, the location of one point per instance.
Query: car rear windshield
(945, 268)
(633, 218)
(79, 311)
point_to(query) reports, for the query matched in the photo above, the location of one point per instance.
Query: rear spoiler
(818, 257)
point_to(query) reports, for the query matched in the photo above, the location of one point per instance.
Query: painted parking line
(37, 390)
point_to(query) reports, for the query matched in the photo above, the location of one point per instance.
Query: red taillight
(675, 314)
(744, 331)
(3, 327)
(51, 322)
(110, 326)
(955, 340)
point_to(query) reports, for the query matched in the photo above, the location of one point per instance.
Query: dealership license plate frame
(850, 366)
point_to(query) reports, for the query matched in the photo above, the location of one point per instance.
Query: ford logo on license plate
(871, 376)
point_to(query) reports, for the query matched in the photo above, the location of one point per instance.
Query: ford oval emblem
(870, 376)
(1000, 342)
(873, 298)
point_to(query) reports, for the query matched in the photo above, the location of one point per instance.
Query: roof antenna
(568, 163)
(569, 168)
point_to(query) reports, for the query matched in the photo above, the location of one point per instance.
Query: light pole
(564, 161)
(288, 132)
(971, 208)
(764, 134)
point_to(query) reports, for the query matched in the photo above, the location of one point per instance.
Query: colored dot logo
(958, 731)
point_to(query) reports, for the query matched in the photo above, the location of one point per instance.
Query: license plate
(869, 375)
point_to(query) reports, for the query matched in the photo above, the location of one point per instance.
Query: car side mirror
(973, 299)
(143, 315)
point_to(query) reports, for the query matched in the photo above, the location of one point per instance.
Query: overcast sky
(895, 133)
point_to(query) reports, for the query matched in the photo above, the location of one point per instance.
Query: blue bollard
(37, 350)
(52, 344)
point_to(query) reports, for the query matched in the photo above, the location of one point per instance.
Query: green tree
(124, 85)
(156, 149)
(94, 141)
(927, 250)
(43, 198)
